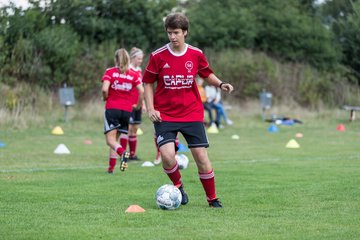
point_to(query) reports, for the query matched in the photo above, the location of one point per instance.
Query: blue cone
(273, 128)
(182, 148)
(2, 144)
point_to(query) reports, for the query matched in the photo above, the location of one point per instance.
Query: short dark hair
(176, 20)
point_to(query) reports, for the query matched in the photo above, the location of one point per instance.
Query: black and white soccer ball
(168, 197)
(182, 160)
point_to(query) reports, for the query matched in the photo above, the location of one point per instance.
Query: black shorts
(135, 117)
(193, 132)
(116, 119)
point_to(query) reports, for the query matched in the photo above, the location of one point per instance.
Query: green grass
(268, 191)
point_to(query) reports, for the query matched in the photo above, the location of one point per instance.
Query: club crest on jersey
(189, 65)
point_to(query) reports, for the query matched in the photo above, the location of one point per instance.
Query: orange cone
(341, 128)
(87, 142)
(134, 209)
(299, 135)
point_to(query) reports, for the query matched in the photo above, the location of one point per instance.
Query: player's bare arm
(143, 107)
(149, 99)
(140, 89)
(105, 90)
(215, 81)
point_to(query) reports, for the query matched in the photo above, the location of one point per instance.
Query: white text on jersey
(123, 86)
(178, 81)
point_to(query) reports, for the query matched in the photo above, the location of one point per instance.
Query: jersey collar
(177, 54)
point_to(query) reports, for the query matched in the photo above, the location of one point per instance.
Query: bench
(352, 110)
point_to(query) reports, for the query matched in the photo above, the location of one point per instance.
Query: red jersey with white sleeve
(134, 92)
(176, 95)
(121, 84)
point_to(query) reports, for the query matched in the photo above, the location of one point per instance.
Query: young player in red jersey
(117, 84)
(136, 58)
(175, 105)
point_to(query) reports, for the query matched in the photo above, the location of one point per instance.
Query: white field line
(247, 161)
(322, 158)
(22, 170)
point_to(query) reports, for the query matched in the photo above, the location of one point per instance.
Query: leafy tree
(343, 18)
(58, 46)
(349, 39)
(337, 9)
(130, 23)
(289, 30)
(73, 41)
(17, 30)
(219, 25)
(289, 34)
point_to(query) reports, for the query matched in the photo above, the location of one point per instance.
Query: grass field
(268, 191)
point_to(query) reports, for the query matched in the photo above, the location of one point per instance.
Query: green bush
(250, 73)
(59, 47)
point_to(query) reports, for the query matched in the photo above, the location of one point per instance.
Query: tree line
(73, 41)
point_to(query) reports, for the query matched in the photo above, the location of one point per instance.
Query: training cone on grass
(292, 144)
(341, 128)
(88, 142)
(57, 131)
(235, 137)
(273, 128)
(299, 135)
(139, 132)
(134, 209)
(61, 149)
(147, 164)
(213, 129)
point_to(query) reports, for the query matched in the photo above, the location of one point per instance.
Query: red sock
(112, 163)
(158, 155)
(208, 182)
(174, 175)
(132, 145)
(124, 141)
(177, 142)
(119, 150)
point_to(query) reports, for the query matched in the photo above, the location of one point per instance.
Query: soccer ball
(168, 197)
(182, 160)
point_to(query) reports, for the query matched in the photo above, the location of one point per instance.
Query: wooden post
(352, 115)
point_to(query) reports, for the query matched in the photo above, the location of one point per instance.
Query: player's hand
(154, 115)
(227, 87)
